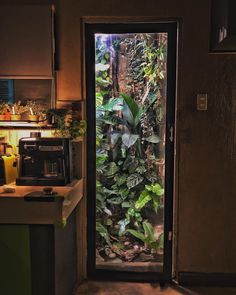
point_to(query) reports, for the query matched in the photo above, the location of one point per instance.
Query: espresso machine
(45, 161)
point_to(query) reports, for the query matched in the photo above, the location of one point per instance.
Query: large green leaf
(103, 232)
(109, 192)
(101, 67)
(155, 188)
(99, 99)
(114, 104)
(110, 120)
(155, 205)
(153, 138)
(124, 192)
(125, 205)
(115, 200)
(143, 199)
(111, 169)
(121, 179)
(132, 112)
(161, 241)
(133, 180)
(103, 82)
(137, 234)
(100, 159)
(115, 137)
(133, 168)
(128, 162)
(138, 116)
(149, 232)
(129, 139)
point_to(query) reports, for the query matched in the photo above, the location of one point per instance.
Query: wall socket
(202, 102)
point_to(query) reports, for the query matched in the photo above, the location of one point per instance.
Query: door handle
(171, 130)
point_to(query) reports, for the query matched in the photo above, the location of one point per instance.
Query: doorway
(130, 87)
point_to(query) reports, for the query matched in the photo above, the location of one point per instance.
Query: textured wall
(205, 198)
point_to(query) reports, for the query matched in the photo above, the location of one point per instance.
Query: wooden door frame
(122, 27)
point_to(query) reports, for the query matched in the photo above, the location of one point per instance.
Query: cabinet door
(26, 41)
(223, 26)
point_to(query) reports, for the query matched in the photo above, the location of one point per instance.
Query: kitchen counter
(14, 209)
(38, 240)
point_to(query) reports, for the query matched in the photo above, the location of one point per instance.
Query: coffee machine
(45, 161)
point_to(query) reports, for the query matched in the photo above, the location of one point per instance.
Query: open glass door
(130, 85)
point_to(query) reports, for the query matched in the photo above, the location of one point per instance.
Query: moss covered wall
(206, 194)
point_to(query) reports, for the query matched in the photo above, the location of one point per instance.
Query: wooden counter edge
(72, 199)
(14, 210)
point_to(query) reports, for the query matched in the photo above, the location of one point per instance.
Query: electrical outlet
(202, 102)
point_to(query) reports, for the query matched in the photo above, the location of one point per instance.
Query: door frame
(90, 28)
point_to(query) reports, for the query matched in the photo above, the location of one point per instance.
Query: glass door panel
(130, 156)
(131, 112)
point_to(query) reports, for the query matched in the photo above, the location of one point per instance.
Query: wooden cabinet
(26, 38)
(223, 26)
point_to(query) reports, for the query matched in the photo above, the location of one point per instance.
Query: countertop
(14, 209)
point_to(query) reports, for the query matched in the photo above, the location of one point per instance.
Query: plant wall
(130, 141)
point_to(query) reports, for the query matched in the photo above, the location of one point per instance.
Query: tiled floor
(124, 288)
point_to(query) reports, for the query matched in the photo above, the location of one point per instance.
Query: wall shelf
(23, 125)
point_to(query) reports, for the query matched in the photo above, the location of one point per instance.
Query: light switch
(202, 102)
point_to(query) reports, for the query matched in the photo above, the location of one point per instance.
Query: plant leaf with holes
(134, 180)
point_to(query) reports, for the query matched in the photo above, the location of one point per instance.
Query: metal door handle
(171, 134)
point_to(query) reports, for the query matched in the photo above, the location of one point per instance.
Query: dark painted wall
(206, 141)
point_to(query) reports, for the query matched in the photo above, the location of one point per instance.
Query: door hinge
(171, 134)
(170, 236)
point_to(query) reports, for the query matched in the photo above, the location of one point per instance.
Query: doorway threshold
(131, 266)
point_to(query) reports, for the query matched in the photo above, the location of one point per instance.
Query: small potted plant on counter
(34, 111)
(65, 125)
(16, 110)
(3, 111)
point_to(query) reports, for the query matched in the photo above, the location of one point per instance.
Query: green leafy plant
(77, 128)
(17, 108)
(129, 135)
(103, 232)
(34, 108)
(65, 125)
(3, 108)
(148, 236)
(152, 192)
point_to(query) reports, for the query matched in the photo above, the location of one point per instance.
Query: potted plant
(16, 110)
(65, 125)
(34, 111)
(3, 110)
